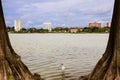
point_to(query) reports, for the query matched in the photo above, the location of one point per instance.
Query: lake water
(43, 53)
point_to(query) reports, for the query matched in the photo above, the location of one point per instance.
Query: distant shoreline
(57, 33)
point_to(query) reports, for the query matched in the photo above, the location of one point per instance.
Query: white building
(47, 25)
(17, 25)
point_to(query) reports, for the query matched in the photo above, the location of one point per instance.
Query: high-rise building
(17, 25)
(95, 24)
(47, 25)
(108, 24)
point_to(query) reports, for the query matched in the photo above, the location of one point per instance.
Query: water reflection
(63, 75)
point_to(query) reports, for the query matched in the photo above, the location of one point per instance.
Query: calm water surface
(43, 53)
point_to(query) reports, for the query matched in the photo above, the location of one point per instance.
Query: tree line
(61, 30)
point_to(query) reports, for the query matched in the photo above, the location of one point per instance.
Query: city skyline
(59, 12)
(49, 26)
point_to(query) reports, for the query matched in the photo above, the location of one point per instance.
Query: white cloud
(60, 11)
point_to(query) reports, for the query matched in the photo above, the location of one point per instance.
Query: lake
(44, 53)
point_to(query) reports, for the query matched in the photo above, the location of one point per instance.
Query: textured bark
(108, 67)
(11, 65)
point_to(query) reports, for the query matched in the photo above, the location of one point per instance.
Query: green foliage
(61, 30)
(78, 31)
(96, 29)
(10, 29)
(32, 30)
(10, 77)
(42, 30)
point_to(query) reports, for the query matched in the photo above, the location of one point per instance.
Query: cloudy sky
(72, 13)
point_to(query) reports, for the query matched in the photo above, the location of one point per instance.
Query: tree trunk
(11, 66)
(108, 67)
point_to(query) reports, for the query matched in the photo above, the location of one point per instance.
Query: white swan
(62, 67)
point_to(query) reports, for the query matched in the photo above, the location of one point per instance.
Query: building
(17, 25)
(95, 24)
(59, 27)
(108, 24)
(75, 30)
(47, 25)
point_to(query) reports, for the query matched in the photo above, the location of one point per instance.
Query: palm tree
(108, 67)
(11, 66)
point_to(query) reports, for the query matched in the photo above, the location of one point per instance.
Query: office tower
(17, 25)
(47, 25)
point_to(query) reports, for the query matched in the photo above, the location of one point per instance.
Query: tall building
(95, 24)
(47, 25)
(17, 25)
(108, 24)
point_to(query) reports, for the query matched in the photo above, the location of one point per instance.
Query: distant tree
(57, 29)
(87, 29)
(11, 66)
(32, 30)
(66, 29)
(78, 31)
(94, 29)
(106, 29)
(43, 30)
(10, 29)
(24, 29)
(108, 67)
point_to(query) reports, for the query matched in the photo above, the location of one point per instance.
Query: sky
(67, 13)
